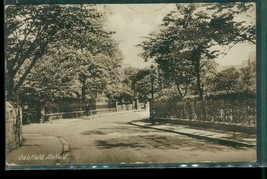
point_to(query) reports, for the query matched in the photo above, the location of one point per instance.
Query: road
(111, 139)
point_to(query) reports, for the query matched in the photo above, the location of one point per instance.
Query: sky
(132, 22)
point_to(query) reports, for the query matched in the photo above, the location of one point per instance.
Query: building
(251, 59)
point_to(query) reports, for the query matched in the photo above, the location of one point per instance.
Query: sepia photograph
(97, 85)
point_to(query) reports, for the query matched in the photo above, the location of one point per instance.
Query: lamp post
(152, 111)
(83, 82)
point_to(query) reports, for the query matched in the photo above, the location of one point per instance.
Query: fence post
(116, 106)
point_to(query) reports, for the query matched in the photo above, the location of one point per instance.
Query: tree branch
(22, 45)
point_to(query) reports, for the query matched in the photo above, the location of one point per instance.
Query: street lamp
(84, 101)
(152, 111)
(83, 82)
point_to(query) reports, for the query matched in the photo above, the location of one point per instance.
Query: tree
(142, 83)
(73, 74)
(147, 82)
(121, 89)
(134, 83)
(54, 76)
(34, 31)
(248, 78)
(227, 81)
(191, 34)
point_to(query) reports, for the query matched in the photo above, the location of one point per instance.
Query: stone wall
(13, 126)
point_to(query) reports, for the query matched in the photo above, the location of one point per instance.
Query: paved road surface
(111, 139)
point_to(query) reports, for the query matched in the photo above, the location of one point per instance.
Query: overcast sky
(132, 22)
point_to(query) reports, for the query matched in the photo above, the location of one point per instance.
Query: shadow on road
(160, 142)
(92, 132)
(101, 144)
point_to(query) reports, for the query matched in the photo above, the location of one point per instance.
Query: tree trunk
(180, 92)
(199, 86)
(10, 93)
(197, 57)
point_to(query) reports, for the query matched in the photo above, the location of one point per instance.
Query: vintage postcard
(141, 85)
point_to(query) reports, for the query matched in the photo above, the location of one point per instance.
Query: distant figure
(145, 106)
(87, 109)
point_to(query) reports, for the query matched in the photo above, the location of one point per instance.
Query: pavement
(38, 149)
(222, 137)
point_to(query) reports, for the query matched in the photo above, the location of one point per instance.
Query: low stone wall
(74, 114)
(210, 125)
(54, 116)
(13, 126)
(106, 110)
